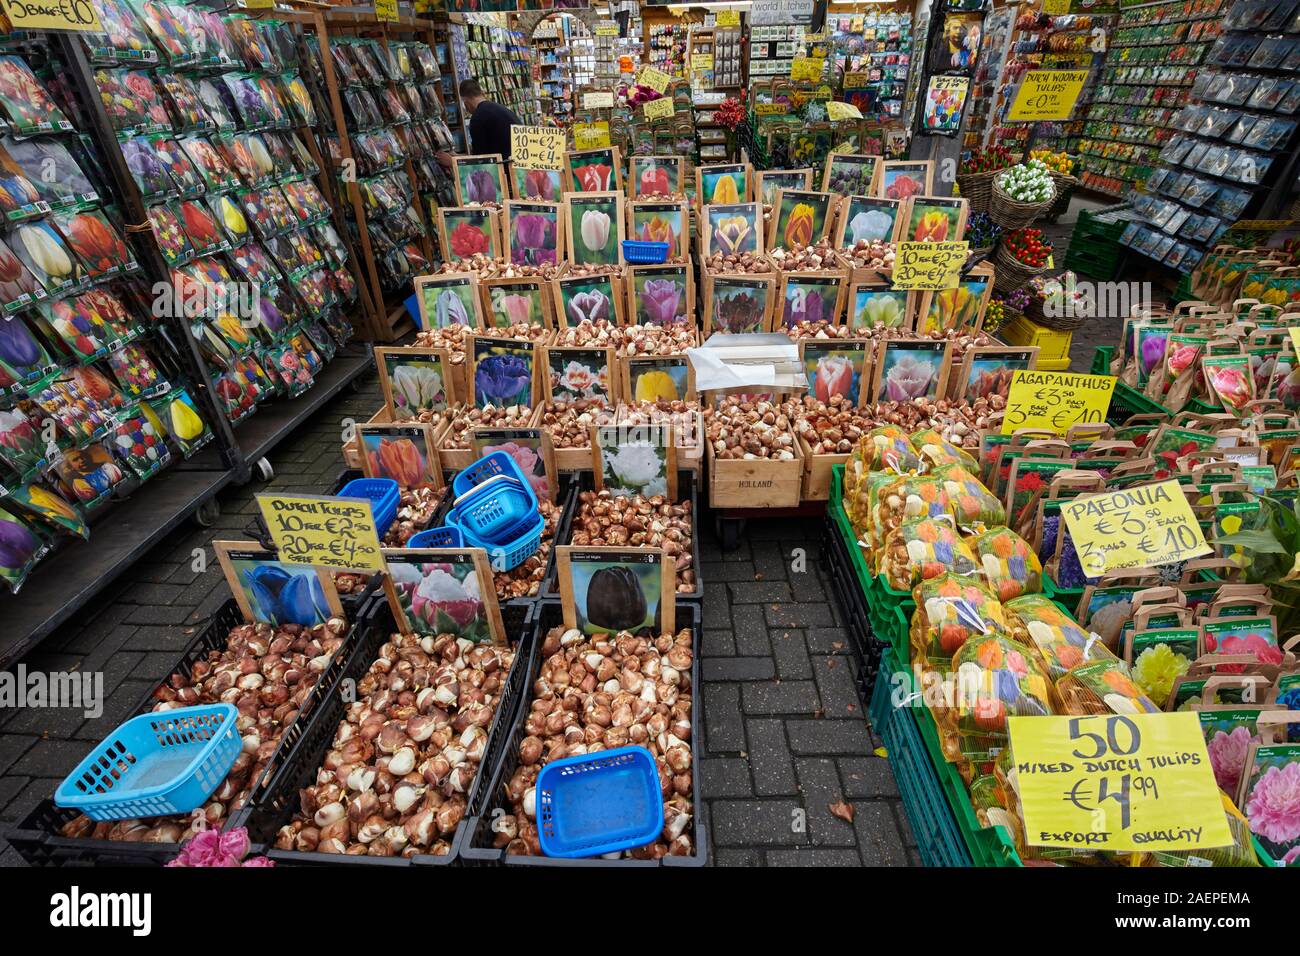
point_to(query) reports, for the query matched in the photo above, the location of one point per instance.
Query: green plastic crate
(1101, 359)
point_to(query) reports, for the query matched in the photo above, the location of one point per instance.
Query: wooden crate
(817, 472)
(762, 282)
(618, 306)
(570, 459)
(755, 483)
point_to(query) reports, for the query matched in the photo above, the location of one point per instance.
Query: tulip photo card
(799, 218)
(479, 179)
(465, 231)
(436, 591)
(587, 298)
(658, 378)
(987, 371)
(594, 227)
(517, 300)
(414, 380)
(849, 175)
(662, 222)
(579, 374)
(46, 256)
(724, 184)
(501, 371)
(836, 367)
(905, 178)
(91, 236)
(907, 369)
(531, 450)
(545, 185)
(534, 232)
(607, 590)
(22, 548)
(50, 507)
(656, 176)
(404, 453)
(23, 358)
(959, 308)
(935, 219)
(635, 460)
(866, 219)
(270, 591)
(660, 295)
(741, 304)
(769, 181)
(809, 297)
(593, 171)
(447, 299)
(732, 229)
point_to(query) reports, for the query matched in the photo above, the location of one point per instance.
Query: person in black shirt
(489, 124)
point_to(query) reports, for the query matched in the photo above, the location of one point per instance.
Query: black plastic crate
(853, 605)
(276, 806)
(687, 490)
(37, 838)
(476, 846)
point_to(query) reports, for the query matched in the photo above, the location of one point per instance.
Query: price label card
(661, 108)
(322, 531)
(597, 101)
(836, 111)
(1295, 339)
(855, 79)
(1047, 95)
(386, 10)
(728, 18)
(929, 265)
(1139, 782)
(53, 15)
(537, 147)
(591, 135)
(1056, 400)
(1056, 8)
(770, 109)
(606, 29)
(807, 69)
(701, 62)
(657, 80)
(1134, 528)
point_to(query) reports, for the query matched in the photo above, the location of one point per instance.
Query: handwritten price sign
(929, 265)
(1134, 528)
(590, 135)
(657, 80)
(661, 108)
(836, 111)
(1111, 782)
(1047, 95)
(324, 532)
(807, 69)
(386, 10)
(537, 147)
(597, 101)
(1056, 400)
(53, 15)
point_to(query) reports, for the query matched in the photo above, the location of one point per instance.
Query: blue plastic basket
(506, 555)
(157, 763)
(384, 497)
(437, 538)
(495, 501)
(639, 253)
(602, 803)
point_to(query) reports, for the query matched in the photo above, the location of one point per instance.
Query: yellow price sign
(324, 532)
(537, 147)
(1056, 8)
(1122, 782)
(590, 135)
(598, 101)
(855, 79)
(728, 18)
(1056, 400)
(929, 265)
(701, 62)
(1047, 95)
(661, 108)
(657, 80)
(1295, 338)
(258, 4)
(1134, 528)
(53, 15)
(807, 69)
(770, 109)
(606, 29)
(386, 10)
(836, 111)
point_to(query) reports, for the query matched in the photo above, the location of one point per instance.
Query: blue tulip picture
(281, 594)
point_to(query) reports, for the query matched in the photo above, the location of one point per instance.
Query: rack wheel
(729, 531)
(264, 469)
(207, 513)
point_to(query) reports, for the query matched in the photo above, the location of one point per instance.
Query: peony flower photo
(578, 374)
(1273, 802)
(635, 468)
(441, 598)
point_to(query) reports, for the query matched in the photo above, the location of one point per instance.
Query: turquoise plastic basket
(158, 763)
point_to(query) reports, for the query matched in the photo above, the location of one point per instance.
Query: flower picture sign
(404, 453)
(594, 227)
(275, 592)
(436, 591)
(635, 460)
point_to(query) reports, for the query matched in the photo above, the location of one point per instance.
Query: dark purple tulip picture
(481, 186)
(18, 349)
(503, 380)
(18, 546)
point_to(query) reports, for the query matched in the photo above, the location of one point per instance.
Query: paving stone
(735, 857)
(173, 637)
(769, 759)
(168, 594)
(799, 615)
(153, 571)
(10, 787)
(723, 726)
(757, 823)
(837, 686)
(107, 644)
(880, 835)
(718, 643)
(740, 553)
(91, 632)
(726, 571)
(797, 697)
(771, 561)
(819, 782)
(715, 599)
(12, 748)
(55, 722)
(726, 777)
(791, 655)
(759, 592)
(53, 758)
(828, 640)
(751, 630)
(159, 614)
(867, 777)
(813, 856)
(36, 790)
(738, 669)
(829, 737)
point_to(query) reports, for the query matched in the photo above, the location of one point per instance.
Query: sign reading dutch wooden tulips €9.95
(1134, 528)
(1124, 782)
(1047, 95)
(537, 147)
(325, 532)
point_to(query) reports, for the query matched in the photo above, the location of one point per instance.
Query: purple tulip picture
(803, 306)
(591, 305)
(481, 186)
(18, 350)
(18, 549)
(503, 379)
(533, 242)
(661, 301)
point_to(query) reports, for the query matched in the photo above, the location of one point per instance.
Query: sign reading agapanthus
(1134, 528)
(1057, 401)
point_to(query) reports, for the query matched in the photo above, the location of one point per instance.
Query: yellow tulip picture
(656, 385)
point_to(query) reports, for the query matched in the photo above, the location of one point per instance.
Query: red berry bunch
(1028, 246)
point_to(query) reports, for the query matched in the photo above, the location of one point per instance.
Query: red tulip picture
(467, 240)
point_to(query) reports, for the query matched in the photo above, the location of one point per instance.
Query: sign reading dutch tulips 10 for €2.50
(324, 532)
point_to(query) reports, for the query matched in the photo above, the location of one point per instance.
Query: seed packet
(48, 166)
(182, 100)
(250, 108)
(1159, 656)
(1256, 636)
(293, 371)
(204, 235)
(21, 445)
(22, 356)
(1272, 773)
(218, 103)
(24, 546)
(931, 446)
(25, 101)
(212, 169)
(81, 330)
(999, 679)
(238, 399)
(50, 508)
(178, 166)
(46, 256)
(136, 373)
(96, 242)
(1230, 381)
(252, 261)
(124, 38)
(132, 102)
(167, 229)
(147, 169)
(140, 447)
(89, 473)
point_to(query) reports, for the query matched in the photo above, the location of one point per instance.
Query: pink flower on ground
(1273, 807)
(1228, 757)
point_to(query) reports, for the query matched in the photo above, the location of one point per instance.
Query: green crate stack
(1094, 246)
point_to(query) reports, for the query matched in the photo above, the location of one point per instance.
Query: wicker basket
(977, 189)
(1009, 273)
(1009, 214)
(1058, 323)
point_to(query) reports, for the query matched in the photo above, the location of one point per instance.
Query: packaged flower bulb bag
(996, 679)
(935, 450)
(1240, 853)
(907, 496)
(888, 448)
(924, 548)
(1102, 687)
(1062, 644)
(1008, 562)
(950, 609)
(972, 504)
